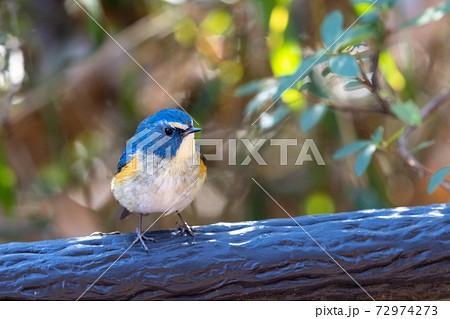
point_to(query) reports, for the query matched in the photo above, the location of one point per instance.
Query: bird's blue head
(160, 134)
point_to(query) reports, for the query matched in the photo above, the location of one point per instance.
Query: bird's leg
(141, 235)
(185, 228)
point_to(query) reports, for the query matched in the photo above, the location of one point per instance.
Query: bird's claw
(185, 228)
(142, 239)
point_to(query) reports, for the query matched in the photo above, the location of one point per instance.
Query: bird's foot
(142, 239)
(99, 233)
(183, 227)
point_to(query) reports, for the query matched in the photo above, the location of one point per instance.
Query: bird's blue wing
(203, 158)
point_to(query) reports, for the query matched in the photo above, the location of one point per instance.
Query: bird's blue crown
(160, 134)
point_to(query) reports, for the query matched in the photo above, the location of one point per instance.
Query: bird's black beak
(191, 130)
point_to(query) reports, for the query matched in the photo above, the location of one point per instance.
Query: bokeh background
(70, 98)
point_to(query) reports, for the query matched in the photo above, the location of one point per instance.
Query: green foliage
(377, 137)
(422, 146)
(394, 137)
(7, 185)
(302, 72)
(353, 53)
(344, 65)
(217, 22)
(437, 178)
(319, 203)
(331, 29)
(249, 88)
(365, 150)
(311, 116)
(7, 188)
(269, 120)
(352, 85)
(408, 112)
(350, 149)
(363, 159)
(262, 97)
(430, 15)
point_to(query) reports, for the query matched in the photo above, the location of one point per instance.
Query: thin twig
(425, 113)
(415, 165)
(353, 109)
(404, 154)
(384, 104)
(374, 69)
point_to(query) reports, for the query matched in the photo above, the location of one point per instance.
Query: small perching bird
(161, 169)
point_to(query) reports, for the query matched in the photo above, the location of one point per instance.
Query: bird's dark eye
(168, 131)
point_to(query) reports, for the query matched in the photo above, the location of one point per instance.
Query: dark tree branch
(374, 69)
(373, 87)
(395, 254)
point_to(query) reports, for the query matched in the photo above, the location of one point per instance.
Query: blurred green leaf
(230, 72)
(352, 85)
(344, 65)
(326, 71)
(422, 146)
(363, 159)
(367, 10)
(390, 71)
(293, 99)
(217, 22)
(437, 178)
(93, 7)
(370, 18)
(365, 4)
(53, 178)
(318, 86)
(350, 149)
(269, 120)
(430, 15)
(331, 29)
(388, 3)
(355, 35)
(286, 58)
(395, 136)
(319, 203)
(311, 116)
(259, 99)
(304, 69)
(309, 63)
(249, 88)
(378, 135)
(7, 188)
(185, 31)
(408, 112)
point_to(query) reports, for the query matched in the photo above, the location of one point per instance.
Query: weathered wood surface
(395, 254)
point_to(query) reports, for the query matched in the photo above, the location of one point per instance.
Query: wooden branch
(395, 254)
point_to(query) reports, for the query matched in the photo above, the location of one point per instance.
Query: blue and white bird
(161, 169)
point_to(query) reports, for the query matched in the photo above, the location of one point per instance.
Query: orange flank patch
(202, 167)
(127, 172)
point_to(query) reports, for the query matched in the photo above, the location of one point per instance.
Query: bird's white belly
(163, 195)
(169, 187)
